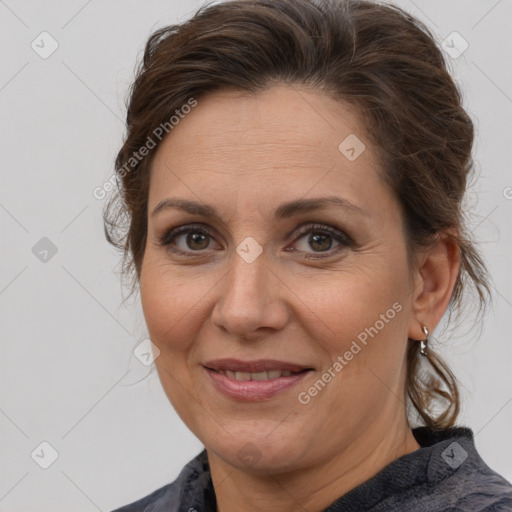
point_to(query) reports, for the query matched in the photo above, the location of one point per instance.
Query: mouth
(254, 380)
(260, 369)
(265, 375)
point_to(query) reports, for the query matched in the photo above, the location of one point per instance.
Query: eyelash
(342, 238)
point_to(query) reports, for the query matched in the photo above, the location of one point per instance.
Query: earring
(423, 343)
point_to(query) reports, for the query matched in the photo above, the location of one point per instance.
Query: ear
(435, 277)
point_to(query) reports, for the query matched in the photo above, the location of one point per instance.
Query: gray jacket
(445, 475)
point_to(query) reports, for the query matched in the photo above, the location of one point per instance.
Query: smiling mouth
(254, 381)
(264, 375)
(255, 366)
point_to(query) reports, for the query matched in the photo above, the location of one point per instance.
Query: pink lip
(260, 365)
(253, 390)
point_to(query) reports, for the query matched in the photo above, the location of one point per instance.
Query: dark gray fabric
(445, 475)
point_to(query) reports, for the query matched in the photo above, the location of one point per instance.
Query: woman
(293, 175)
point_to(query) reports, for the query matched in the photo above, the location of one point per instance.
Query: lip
(254, 390)
(259, 365)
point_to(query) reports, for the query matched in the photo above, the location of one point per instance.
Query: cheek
(177, 304)
(168, 301)
(360, 325)
(342, 308)
(359, 321)
(170, 305)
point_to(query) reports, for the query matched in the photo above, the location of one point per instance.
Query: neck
(316, 487)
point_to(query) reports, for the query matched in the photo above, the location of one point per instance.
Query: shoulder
(480, 489)
(157, 500)
(191, 490)
(458, 473)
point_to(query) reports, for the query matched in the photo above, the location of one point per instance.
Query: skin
(245, 155)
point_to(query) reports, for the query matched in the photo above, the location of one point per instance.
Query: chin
(260, 455)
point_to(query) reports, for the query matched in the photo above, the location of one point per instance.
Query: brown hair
(374, 56)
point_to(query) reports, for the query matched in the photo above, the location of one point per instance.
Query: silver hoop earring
(423, 343)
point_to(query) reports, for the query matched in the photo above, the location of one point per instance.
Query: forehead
(284, 139)
(290, 118)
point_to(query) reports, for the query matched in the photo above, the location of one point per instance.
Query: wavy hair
(374, 56)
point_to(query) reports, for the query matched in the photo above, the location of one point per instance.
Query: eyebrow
(284, 211)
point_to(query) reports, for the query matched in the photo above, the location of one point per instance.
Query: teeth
(272, 374)
(259, 376)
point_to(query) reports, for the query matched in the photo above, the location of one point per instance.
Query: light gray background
(67, 372)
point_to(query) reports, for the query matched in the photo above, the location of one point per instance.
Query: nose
(250, 303)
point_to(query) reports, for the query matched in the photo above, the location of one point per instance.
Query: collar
(440, 455)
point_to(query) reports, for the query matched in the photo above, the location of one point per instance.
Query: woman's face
(269, 278)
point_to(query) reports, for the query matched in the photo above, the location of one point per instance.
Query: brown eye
(186, 240)
(196, 241)
(320, 240)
